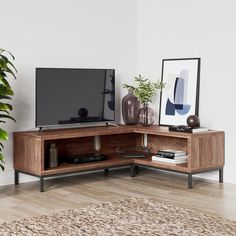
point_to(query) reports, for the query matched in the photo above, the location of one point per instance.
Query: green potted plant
(145, 92)
(6, 93)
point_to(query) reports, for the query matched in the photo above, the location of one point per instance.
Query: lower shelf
(113, 161)
(174, 167)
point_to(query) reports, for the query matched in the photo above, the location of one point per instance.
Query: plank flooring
(25, 200)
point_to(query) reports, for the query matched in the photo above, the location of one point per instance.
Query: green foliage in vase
(6, 93)
(145, 89)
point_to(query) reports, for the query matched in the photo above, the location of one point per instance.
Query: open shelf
(113, 161)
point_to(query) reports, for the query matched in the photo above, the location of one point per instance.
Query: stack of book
(171, 156)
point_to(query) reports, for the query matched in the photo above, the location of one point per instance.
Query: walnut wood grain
(205, 150)
(167, 166)
(113, 143)
(28, 154)
(77, 132)
(157, 142)
(66, 168)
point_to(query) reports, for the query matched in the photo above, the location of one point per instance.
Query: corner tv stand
(205, 150)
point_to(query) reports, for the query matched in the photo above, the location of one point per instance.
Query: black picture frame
(180, 97)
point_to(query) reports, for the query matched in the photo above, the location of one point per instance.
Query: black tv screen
(71, 96)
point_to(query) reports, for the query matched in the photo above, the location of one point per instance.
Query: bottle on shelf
(53, 157)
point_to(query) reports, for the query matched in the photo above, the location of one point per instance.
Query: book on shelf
(200, 129)
(187, 129)
(170, 153)
(179, 160)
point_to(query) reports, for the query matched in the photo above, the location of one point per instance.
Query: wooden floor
(78, 191)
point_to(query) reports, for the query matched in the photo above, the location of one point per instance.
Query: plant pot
(147, 116)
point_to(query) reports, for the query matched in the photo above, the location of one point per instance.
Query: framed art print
(180, 97)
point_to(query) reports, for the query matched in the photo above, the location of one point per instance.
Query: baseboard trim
(7, 178)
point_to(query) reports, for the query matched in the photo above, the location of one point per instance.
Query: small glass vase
(147, 115)
(130, 109)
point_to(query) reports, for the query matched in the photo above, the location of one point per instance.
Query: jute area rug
(135, 216)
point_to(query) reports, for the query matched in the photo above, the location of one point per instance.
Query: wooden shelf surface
(112, 161)
(175, 167)
(103, 130)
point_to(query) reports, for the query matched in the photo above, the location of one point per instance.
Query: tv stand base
(111, 124)
(134, 170)
(205, 150)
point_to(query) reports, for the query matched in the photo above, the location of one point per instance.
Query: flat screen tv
(74, 96)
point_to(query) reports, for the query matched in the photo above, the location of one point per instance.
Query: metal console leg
(16, 177)
(132, 169)
(106, 172)
(190, 181)
(221, 175)
(41, 184)
(137, 170)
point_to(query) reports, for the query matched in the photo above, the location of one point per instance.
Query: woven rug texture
(134, 216)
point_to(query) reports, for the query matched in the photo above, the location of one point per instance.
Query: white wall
(206, 29)
(59, 33)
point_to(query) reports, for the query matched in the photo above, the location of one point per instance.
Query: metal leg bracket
(190, 181)
(16, 177)
(41, 184)
(221, 175)
(106, 172)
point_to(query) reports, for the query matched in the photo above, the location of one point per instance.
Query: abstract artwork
(180, 97)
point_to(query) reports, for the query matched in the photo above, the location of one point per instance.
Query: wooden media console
(205, 150)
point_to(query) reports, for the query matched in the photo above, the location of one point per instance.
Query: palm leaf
(5, 91)
(3, 134)
(3, 50)
(2, 167)
(5, 106)
(7, 117)
(5, 97)
(1, 147)
(3, 63)
(5, 83)
(8, 70)
(7, 61)
(1, 161)
(5, 111)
